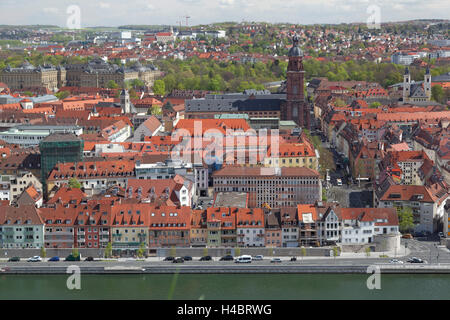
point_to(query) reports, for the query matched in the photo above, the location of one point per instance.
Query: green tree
(141, 250)
(75, 252)
(111, 84)
(43, 252)
(237, 251)
(74, 184)
(437, 93)
(367, 250)
(108, 250)
(159, 87)
(374, 105)
(303, 252)
(335, 252)
(405, 220)
(205, 251)
(61, 95)
(173, 251)
(154, 110)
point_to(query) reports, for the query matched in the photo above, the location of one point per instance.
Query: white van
(244, 259)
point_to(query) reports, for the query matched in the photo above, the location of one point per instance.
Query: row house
(169, 226)
(250, 227)
(273, 230)
(94, 176)
(289, 227)
(178, 190)
(130, 225)
(21, 227)
(92, 225)
(199, 231)
(59, 226)
(221, 227)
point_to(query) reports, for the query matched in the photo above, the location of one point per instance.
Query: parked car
(89, 259)
(244, 259)
(258, 257)
(70, 257)
(206, 258)
(395, 261)
(14, 259)
(187, 258)
(227, 258)
(339, 182)
(293, 259)
(35, 259)
(275, 260)
(178, 260)
(169, 258)
(55, 259)
(407, 236)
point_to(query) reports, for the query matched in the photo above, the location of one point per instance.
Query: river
(225, 286)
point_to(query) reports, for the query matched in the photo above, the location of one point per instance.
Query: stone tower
(125, 101)
(296, 108)
(427, 83)
(406, 85)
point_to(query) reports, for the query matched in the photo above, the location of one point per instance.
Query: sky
(171, 12)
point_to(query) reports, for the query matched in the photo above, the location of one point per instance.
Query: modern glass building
(59, 148)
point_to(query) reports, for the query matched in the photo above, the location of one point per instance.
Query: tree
(154, 110)
(43, 252)
(61, 95)
(74, 184)
(237, 251)
(437, 93)
(205, 251)
(405, 219)
(75, 252)
(335, 252)
(141, 250)
(375, 105)
(303, 252)
(108, 250)
(159, 88)
(367, 250)
(111, 84)
(173, 251)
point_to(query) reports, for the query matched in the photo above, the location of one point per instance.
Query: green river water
(225, 286)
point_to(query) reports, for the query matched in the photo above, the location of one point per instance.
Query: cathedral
(415, 92)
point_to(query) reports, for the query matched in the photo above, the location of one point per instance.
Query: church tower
(296, 108)
(406, 85)
(125, 103)
(427, 83)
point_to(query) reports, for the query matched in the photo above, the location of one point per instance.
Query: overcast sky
(121, 12)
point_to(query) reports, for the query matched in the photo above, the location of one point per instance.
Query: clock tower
(296, 108)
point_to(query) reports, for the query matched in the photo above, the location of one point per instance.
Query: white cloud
(51, 10)
(104, 5)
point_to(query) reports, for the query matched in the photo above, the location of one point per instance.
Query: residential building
(250, 227)
(21, 227)
(277, 187)
(169, 226)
